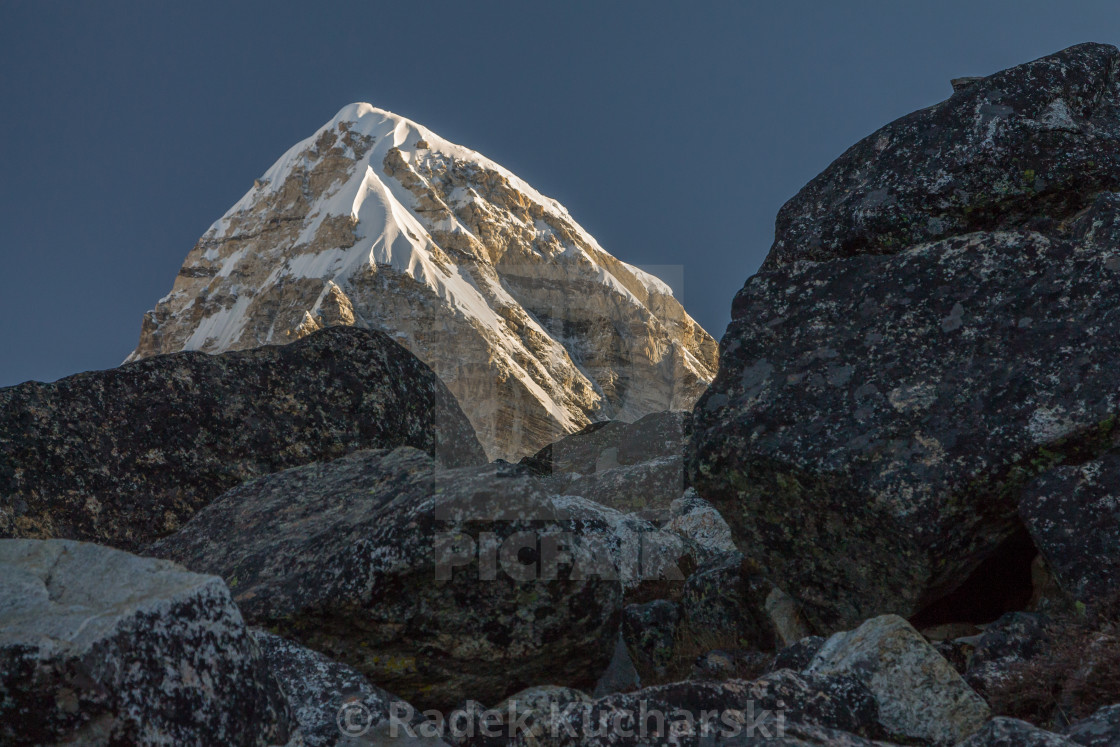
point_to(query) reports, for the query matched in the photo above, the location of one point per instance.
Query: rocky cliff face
(375, 221)
(935, 326)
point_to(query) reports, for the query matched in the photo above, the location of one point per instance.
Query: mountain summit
(377, 222)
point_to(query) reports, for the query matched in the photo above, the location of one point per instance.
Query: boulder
(725, 600)
(1073, 516)
(628, 466)
(1015, 638)
(799, 654)
(521, 719)
(332, 703)
(936, 325)
(799, 709)
(731, 664)
(650, 632)
(651, 563)
(436, 585)
(1011, 732)
(99, 647)
(121, 457)
(1025, 147)
(919, 694)
(1102, 729)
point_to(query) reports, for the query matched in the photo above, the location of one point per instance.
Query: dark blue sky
(671, 131)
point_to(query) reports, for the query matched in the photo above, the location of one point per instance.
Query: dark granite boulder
(1101, 729)
(1024, 148)
(1011, 732)
(437, 585)
(1073, 516)
(876, 415)
(123, 456)
(1015, 638)
(628, 466)
(650, 632)
(783, 708)
(333, 704)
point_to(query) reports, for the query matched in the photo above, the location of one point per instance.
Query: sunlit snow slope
(375, 221)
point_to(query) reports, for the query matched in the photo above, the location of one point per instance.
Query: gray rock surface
(123, 456)
(919, 694)
(1025, 147)
(1102, 729)
(813, 709)
(628, 466)
(1013, 639)
(1011, 732)
(1073, 515)
(332, 703)
(438, 586)
(879, 409)
(726, 599)
(650, 632)
(100, 647)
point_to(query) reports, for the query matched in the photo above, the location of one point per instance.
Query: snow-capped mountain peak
(374, 220)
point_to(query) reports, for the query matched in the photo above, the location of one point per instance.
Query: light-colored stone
(98, 646)
(920, 695)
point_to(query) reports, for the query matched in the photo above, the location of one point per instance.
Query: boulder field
(891, 520)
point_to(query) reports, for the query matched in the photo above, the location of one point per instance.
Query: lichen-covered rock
(803, 708)
(1073, 516)
(650, 632)
(799, 654)
(726, 598)
(1011, 640)
(696, 519)
(634, 467)
(332, 703)
(521, 719)
(99, 647)
(609, 444)
(436, 585)
(649, 562)
(731, 664)
(875, 418)
(1025, 147)
(1011, 732)
(1102, 729)
(920, 695)
(124, 456)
